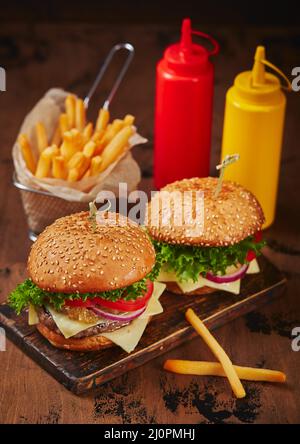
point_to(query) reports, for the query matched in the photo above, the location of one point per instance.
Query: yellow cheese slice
(128, 337)
(231, 287)
(186, 287)
(166, 276)
(33, 318)
(253, 267)
(154, 307)
(69, 327)
(132, 333)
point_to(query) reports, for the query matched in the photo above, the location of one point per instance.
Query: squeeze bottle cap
(259, 84)
(258, 70)
(187, 57)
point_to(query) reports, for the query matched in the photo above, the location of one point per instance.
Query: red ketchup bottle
(183, 111)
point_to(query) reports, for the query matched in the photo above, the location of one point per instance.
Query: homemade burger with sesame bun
(90, 283)
(218, 254)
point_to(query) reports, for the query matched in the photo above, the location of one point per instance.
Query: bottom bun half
(174, 288)
(90, 343)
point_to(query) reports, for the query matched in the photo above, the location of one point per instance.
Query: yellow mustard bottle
(253, 128)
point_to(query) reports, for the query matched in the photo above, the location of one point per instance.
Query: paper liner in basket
(124, 169)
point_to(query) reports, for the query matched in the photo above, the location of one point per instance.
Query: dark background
(231, 12)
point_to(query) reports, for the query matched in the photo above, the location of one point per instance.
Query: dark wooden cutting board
(80, 372)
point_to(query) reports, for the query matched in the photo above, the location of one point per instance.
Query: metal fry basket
(43, 208)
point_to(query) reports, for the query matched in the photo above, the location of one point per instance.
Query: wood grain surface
(38, 57)
(82, 372)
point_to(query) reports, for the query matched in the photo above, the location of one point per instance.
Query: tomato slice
(79, 303)
(258, 236)
(121, 304)
(250, 256)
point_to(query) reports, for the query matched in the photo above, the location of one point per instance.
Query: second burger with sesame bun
(91, 283)
(221, 252)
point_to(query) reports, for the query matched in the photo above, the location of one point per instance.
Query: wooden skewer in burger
(216, 247)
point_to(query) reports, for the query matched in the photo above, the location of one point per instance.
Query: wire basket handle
(103, 69)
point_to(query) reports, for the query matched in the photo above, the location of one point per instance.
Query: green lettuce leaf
(28, 292)
(189, 261)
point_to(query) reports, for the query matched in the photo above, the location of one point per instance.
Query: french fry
(98, 135)
(83, 151)
(97, 138)
(76, 160)
(89, 148)
(84, 167)
(117, 124)
(41, 136)
(56, 139)
(87, 174)
(201, 368)
(115, 147)
(80, 114)
(72, 143)
(102, 120)
(45, 161)
(99, 148)
(27, 152)
(59, 170)
(70, 104)
(128, 120)
(78, 167)
(87, 132)
(63, 123)
(111, 131)
(95, 165)
(73, 175)
(218, 351)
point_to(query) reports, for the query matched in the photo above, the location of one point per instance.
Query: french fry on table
(70, 104)
(27, 152)
(102, 120)
(41, 136)
(59, 170)
(202, 368)
(112, 151)
(80, 114)
(87, 132)
(218, 351)
(63, 123)
(95, 165)
(128, 120)
(45, 161)
(89, 148)
(72, 143)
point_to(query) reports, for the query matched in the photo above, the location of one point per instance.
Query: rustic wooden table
(39, 57)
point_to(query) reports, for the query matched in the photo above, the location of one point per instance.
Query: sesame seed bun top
(69, 256)
(225, 220)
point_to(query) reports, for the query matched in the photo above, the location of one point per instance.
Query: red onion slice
(226, 278)
(118, 317)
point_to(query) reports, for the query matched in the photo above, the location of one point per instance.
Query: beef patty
(104, 326)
